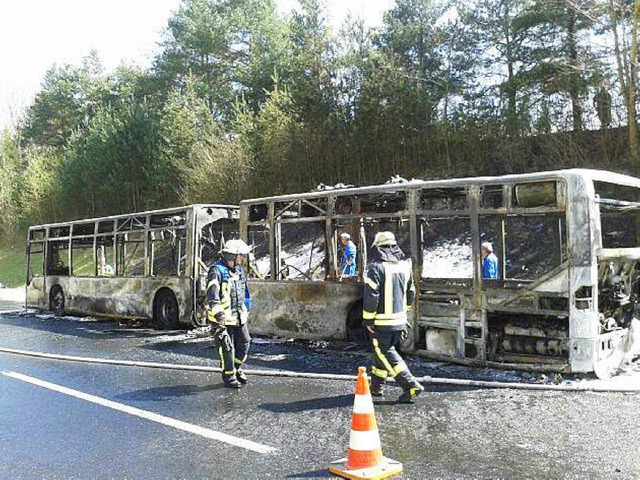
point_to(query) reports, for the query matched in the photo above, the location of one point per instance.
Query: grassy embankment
(13, 266)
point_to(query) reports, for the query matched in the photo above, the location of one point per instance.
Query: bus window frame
(568, 219)
(139, 301)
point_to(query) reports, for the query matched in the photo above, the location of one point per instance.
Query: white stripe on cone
(368, 440)
(362, 404)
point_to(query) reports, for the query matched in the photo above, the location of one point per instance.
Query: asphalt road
(451, 433)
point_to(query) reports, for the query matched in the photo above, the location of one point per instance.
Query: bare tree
(624, 26)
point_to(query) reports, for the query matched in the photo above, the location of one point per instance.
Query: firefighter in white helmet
(388, 297)
(229, 303)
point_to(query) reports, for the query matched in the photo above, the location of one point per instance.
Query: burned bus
(149, 265)
(567, 244)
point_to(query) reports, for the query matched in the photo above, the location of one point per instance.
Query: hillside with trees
(243, 102)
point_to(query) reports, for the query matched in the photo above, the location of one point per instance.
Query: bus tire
(356, 332)
(165, 310)
(57, 300)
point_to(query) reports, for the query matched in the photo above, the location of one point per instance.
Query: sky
(36, 34)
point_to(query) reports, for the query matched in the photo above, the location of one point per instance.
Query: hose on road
(324, 376)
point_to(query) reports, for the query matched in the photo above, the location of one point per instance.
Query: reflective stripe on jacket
(227, 292)
(388, 294)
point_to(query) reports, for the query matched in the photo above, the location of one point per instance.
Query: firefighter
(388, 297)
(229, 303)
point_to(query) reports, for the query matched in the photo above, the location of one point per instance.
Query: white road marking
(154, 417)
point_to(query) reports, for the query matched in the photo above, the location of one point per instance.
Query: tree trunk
(574, 92)
(512, 109)
(632, 86)
(626, 54)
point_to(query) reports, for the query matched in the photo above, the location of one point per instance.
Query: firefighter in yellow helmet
(388, 296)
(229, 303)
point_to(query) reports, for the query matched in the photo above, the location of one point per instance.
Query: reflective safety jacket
(388, 290)
(227, 292)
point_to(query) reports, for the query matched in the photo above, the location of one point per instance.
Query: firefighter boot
(377, 386)
(230, 381)
(411, 388)
(241, 377)
(409, 394)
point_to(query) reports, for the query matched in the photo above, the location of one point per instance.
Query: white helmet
(383, 239)
(236, 247)
(487, 246)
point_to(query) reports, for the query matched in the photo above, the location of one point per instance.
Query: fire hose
(323, 376)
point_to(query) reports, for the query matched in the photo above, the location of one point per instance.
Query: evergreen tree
(624, 18)
(226, 49)
(501, 46)
(11, 167)
(116, 163)
(560, 34)
(67, 98)
(313, 91)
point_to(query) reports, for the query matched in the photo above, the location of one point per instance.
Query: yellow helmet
(384, 238)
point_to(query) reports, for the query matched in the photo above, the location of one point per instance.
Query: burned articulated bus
(567, 244)
(142, 265)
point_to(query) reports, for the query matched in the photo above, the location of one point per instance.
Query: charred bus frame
(142, 265)
(567, 243)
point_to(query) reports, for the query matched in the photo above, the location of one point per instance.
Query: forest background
(242, 102)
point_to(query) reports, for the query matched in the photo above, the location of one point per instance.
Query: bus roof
(589, 174)
(148, 212)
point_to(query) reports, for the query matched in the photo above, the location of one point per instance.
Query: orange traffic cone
(364, 458)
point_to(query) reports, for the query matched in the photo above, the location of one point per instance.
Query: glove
(215, 317)
(217, 330)
(217, 325)
(221, 337)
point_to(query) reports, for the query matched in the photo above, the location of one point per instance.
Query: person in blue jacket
(348, 262)
(489, 261)
(229, 302)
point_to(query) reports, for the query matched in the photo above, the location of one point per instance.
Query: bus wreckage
(146, 265)
(565, 297)
(568, 249)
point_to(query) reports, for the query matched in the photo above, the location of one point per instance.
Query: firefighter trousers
(233, 348)
(387, 362)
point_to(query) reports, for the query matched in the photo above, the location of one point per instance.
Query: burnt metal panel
(580, 253)
(36, 296)
(117, 296)
(523, 304)
(307, 310)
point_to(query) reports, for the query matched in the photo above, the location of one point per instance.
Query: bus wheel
(355, 329)
(165, 311)
(56, 300)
